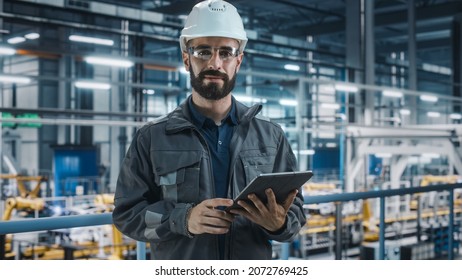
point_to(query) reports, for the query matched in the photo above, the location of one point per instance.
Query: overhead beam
(389, 18)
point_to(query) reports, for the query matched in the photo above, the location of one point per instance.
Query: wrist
(188, 215)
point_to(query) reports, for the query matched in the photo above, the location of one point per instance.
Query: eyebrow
(203, 46)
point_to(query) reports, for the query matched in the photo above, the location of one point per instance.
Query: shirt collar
(199, 119)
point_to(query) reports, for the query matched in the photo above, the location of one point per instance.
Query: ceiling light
(292, 67)
(431, 155)
(455, 116)
(7, 51)
(149, 91)
(392, 93)
(14, 79)
(91, 40)
(383, 155)
(16, 40)
(328, 89)
(117, 62)
(346, 88)
(92, 85)
(405, 112)
(288, 102)
(249, 99)
(428, 98)
(433, 114)
(334, 106)
(32, 36)
(307, 152)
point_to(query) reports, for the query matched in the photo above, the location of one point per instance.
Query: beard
(212, 91)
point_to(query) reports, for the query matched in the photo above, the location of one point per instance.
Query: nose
(215, 61)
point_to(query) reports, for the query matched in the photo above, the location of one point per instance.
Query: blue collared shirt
(218, 140)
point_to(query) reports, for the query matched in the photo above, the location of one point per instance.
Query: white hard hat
(214, 18)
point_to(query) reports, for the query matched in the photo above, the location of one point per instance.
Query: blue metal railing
(52, 223)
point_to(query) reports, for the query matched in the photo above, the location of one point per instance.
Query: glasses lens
(206, 52)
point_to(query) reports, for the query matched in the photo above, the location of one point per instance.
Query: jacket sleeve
(285, 161)
(140, 212)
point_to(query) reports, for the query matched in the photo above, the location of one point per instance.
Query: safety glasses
(206, 52)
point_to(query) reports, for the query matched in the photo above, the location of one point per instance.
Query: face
(213, 66)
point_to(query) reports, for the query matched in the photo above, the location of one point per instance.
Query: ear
(186, 61)
(239, 60)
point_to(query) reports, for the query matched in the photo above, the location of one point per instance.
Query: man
(182, 170)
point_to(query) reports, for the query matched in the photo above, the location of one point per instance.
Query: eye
(224, 53)
(204, 52)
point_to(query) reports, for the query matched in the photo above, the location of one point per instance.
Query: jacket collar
(180, 118)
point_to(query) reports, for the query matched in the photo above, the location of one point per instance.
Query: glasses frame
(195, 52)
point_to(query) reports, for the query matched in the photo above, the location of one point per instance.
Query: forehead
(214, 42)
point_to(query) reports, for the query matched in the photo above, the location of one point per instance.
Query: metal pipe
(338, 231)
(382, 229)
(52, 223)
(451, 226)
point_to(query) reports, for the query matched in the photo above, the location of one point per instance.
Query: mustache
(213, 73)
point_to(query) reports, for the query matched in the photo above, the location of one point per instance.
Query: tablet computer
(281, 183)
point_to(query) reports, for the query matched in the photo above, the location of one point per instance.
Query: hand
(205, 218)
(271, 216)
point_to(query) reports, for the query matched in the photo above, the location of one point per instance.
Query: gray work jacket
(167, 170)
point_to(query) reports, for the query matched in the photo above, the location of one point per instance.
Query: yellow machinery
(23, 191)
(20, 203)
(107, 201)
(432, 180)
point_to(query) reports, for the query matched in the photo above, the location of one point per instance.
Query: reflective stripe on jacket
(167, 170)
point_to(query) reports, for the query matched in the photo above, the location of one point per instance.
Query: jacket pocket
(177, 174)
(257, 164)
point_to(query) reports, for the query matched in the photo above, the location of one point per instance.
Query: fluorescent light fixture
(32, 36)
(327, 89)
(16, 40)
(117, 62)
(149, 91)
(405, 112)
(431, 155)
(334, 106)
(428, 98)
(383, 155)
(249, 99)
(433, 114)
(91, 40)
(392, 93)
(346, 88)
(288, 102)
(292, 67)
(14, 79)
(7, 51)
(92, 85)
(419, 160)
(307, 152)
(455, 116)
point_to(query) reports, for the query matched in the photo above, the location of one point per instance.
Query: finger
(215, 222)
(217, 202)
(257, 202)
(247, 207)
(272, 203)
(214, 230)
(289, 200)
